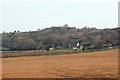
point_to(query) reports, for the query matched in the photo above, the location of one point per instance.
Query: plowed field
(102, 64)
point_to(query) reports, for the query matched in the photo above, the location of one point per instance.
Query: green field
(7, 54)
(55, 50)
(38, 51)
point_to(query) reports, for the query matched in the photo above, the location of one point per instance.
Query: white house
(81, 46)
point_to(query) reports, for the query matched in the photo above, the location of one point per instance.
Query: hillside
(60, 37)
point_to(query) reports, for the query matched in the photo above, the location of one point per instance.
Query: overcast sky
(31, 15)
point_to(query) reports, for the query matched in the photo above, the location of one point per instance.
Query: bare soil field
(102, 64)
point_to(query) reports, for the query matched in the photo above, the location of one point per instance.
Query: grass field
(102, 64)
(57, 50)
(8, 54)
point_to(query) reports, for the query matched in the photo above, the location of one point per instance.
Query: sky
(32, 15)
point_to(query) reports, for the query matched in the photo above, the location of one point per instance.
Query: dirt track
(101, 64)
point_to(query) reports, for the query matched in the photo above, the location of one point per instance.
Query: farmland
(101, 64)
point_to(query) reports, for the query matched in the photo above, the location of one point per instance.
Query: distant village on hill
(61, 37)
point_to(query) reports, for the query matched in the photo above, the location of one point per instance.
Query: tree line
(60, 37)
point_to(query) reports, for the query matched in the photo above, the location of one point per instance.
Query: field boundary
(8, 54)
(60, 79)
